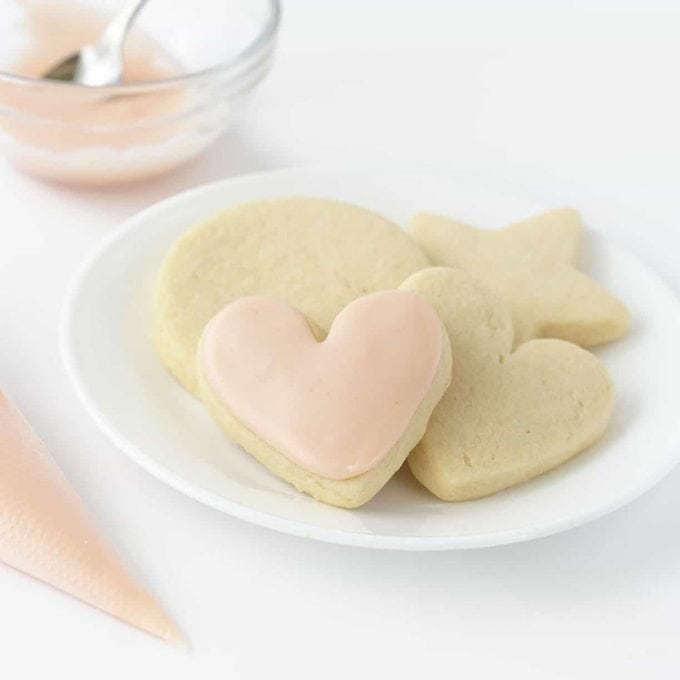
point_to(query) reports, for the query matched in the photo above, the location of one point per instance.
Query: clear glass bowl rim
(262, 42)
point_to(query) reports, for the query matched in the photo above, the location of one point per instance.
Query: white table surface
(580, 109)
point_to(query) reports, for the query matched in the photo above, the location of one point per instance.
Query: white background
(562, 106)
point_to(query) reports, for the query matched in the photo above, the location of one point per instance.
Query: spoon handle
(118, 26)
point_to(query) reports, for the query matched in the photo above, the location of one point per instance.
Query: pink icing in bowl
(189, 68)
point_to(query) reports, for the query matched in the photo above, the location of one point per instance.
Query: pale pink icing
(46, 532)
(335, 407)
(81, 135)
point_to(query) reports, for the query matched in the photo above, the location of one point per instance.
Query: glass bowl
(190, 66)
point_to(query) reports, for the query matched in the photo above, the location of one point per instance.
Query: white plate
(108, 355)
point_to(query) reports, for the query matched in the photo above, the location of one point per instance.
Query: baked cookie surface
(530, 266)
(507, 416)
(317, 255)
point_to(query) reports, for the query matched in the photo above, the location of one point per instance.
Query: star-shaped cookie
(530, 265)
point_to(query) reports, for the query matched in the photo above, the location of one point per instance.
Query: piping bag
(46, 531)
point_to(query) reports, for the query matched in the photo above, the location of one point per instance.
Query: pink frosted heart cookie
(336, 417)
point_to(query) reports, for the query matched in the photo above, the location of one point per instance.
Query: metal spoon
(101, 62)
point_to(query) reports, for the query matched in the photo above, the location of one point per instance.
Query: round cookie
(335, 417)
(508, 416)
(315, 254)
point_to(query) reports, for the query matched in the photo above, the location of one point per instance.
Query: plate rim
(275, 522)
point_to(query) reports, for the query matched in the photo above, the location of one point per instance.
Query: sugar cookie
(554, 235)
(529, 265)
(507, 416)
(334, 417)
(317, 255)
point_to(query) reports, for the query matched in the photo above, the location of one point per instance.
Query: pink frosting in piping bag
(46, 532)
(335, 407)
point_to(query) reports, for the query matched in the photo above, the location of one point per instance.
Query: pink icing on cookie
(335, 407)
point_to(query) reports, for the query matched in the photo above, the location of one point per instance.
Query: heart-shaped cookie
(334, 417)
(507, 416)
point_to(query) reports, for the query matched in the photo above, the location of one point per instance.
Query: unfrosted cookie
(334, 417)
(529, 265)
(507, 416)
(317, 255)
(553, 235)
